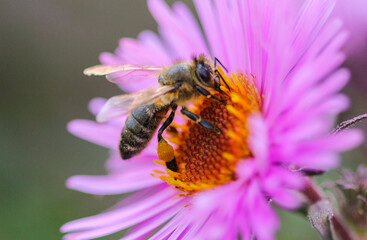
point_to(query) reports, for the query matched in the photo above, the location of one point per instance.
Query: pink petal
(110, 59)
(96, 104)
(330, 30)
(170, 227)
(151, 41)
(312, 17)
(99, 232)
(280, 177)
(113, 183)
(105, 135)
(322, 92)
(353, 14)
(207, 14)
(317, 161)
(245, 170)
(139, 206)
(183, 38)
(339, 142)
(150, 225)
(287, 199)
(258, 139)
(137, 53)
(309, 129)
(194, 229)
(263, 219)
(191, 26)
(330, 107)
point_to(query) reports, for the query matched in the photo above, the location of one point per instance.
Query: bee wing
(121, 73)
(126, 103)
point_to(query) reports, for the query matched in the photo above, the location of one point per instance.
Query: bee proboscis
(178, 84)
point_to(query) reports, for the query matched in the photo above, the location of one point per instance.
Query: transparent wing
(122, 73)
(126, 103)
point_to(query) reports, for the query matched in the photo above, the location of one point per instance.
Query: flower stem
(314, 194)
(349, 123)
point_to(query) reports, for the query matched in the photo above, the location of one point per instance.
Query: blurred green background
(44, 46)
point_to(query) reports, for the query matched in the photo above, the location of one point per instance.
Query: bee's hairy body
(182, 74)
(142, 123)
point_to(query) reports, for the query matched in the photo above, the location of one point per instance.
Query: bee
(178, 85)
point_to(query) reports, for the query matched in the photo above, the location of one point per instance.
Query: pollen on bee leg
(165, 151)
(205, 158)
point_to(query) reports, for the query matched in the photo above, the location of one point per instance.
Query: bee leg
(200, 121)
(167, 122)
(207, 94)
(165, 151)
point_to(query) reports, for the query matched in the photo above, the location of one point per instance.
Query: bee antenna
(221, 77)
(215, 63)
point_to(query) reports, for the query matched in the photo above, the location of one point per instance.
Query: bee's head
(204, 72)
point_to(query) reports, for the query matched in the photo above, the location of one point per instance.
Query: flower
(282, 105)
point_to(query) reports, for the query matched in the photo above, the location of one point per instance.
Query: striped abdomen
(139, 128)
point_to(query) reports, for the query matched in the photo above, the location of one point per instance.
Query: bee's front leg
(207, 94)
(200, 121)
(165, 151)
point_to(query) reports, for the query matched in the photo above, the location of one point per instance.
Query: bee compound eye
(203, 74)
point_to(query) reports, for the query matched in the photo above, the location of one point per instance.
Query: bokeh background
(44, 46)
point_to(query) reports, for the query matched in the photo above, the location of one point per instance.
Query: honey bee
(178, 85)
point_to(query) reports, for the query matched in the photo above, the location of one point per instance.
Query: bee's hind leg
(165, 151)
(167, 122)
(200, 121)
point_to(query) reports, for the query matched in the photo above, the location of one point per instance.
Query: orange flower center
(208, 158)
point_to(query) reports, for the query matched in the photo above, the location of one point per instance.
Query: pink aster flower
(283, 103)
